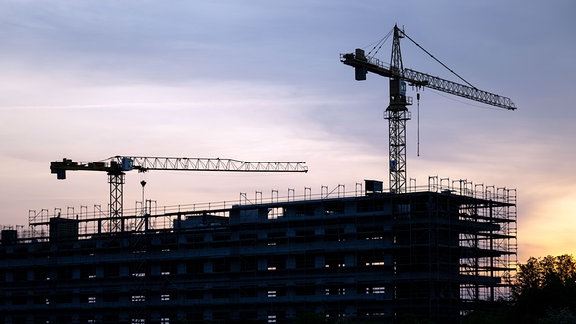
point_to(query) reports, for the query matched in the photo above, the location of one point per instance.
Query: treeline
(544, 293)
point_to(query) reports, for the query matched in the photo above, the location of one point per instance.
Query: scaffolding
(491, 251)
(437, 251)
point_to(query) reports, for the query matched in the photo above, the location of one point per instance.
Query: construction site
(434, 252)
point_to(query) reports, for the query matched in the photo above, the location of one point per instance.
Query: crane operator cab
(398, 98)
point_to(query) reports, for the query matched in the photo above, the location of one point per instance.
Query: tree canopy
(545, 290)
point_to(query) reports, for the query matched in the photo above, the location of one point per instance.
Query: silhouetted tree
(545, 290)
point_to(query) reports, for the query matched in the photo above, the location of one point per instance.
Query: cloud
(258, 81)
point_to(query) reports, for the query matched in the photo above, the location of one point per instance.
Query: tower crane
(397, 113)
(116, 167)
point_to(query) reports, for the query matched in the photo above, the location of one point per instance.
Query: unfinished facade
(434, 254)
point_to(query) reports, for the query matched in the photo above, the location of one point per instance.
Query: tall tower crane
(397, 113)
(116, 167)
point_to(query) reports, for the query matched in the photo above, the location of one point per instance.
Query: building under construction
(434, 253)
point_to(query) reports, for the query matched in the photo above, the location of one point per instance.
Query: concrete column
(290, 262)
(181, 268)
(208, 267)
(262, 264)
(319, 261)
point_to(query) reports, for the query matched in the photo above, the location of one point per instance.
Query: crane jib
(116, 167)
(419, 79)
(458, 89)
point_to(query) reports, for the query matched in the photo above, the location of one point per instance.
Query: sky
(259, 80)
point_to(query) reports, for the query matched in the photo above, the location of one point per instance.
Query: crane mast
(397, 112)
(117, 166)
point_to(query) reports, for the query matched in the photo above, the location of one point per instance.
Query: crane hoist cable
(417, 123)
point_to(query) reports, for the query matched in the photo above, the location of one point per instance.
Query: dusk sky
(261, 80)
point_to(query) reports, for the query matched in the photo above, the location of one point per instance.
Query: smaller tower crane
(397, 112)
(117, 166)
